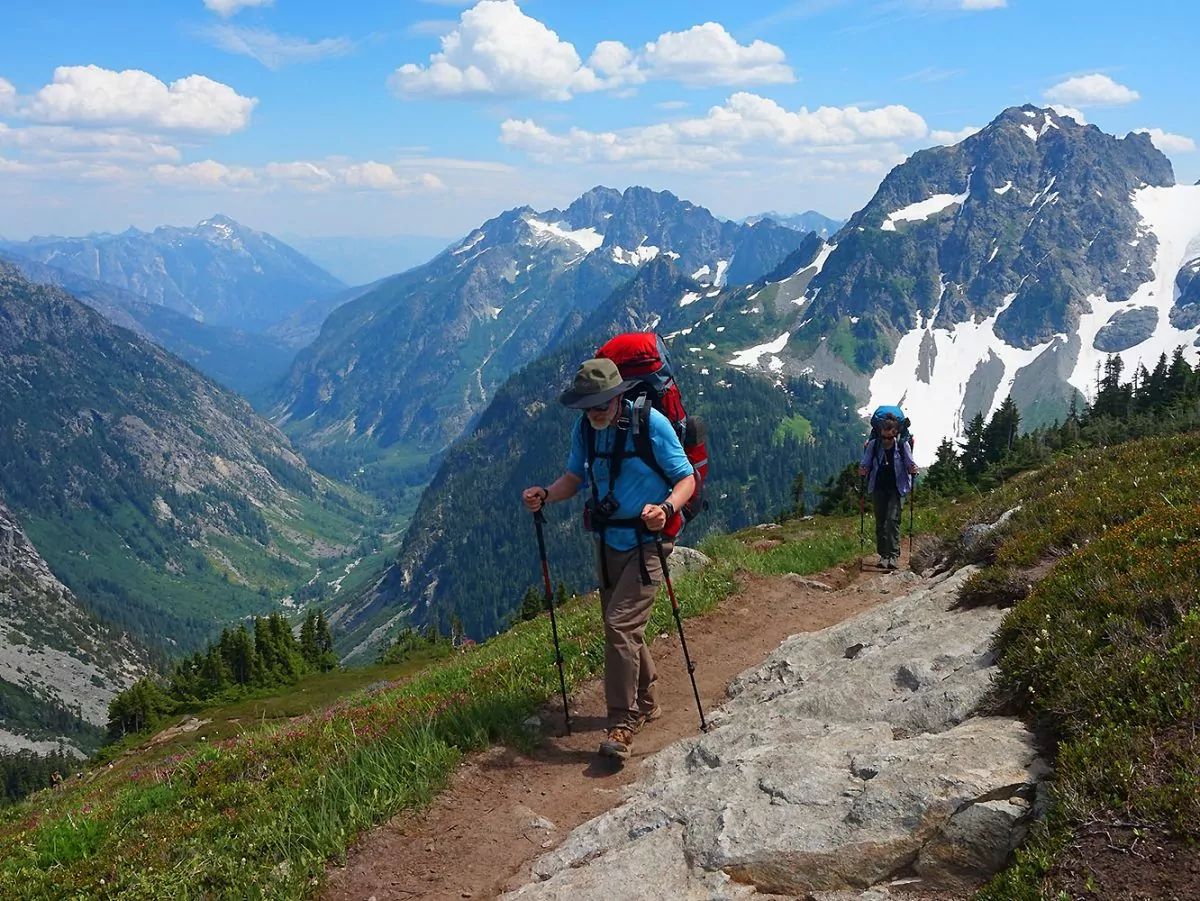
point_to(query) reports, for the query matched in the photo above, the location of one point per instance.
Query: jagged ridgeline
(161, 500)
(400, 372)
(470, 551)
(1010, 263)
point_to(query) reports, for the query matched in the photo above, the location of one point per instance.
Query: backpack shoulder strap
(641, 439)
(615, 456)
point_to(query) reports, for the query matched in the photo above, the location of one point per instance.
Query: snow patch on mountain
(751, 356)
(931, 370)
(470, 242)
(689, 298)
(818, 264)
(923, 209)
(1172, 216)
(932, 367)
(719, 278)
(643, 253)
(587, 238)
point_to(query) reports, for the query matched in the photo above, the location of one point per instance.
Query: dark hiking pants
(889, 509)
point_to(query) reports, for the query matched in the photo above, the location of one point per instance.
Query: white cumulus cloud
(373, 176)
(708, 55)
(60, 142)
(949, 138)
(747, 124)
(1091, 90)
(206, 174)
(1070, 111)
(302, 175)
(227, 8)
(96, 96)
(12, 167)
(8, 96)
(497, 49)
(275, 50)
(1167, 142)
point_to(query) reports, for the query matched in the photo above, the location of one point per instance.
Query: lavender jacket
(872, 458)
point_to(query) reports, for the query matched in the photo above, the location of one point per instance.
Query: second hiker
(888, 467)
(629, 503)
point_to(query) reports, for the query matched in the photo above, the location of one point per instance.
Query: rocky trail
(504, 809)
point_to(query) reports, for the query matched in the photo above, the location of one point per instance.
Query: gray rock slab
(827, 770)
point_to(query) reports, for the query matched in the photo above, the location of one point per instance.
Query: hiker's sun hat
(597, 382)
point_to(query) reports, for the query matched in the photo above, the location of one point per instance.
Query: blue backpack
(881, 413)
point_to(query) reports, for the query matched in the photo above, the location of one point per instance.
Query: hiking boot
(644, 718)
(890, 563)
(618, 743)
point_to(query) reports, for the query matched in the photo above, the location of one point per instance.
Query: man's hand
(862, 471)
(533, 498)
(912, 470)
(655, 517)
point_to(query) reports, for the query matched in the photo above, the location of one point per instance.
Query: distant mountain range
(809, 221)
(219, 273)
(160, 499)
(1011, 263)
(408, 365)
(466, 553)
(208, 295)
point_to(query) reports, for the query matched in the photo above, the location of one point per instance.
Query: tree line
(266, 655)
(1152, 402)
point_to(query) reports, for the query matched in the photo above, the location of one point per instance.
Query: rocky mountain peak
(593, 209)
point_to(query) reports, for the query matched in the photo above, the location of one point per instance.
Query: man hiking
(888, 467)
(629, 504)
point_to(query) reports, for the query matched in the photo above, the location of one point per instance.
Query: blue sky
(429, 116)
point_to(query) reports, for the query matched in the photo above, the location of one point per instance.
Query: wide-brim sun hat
(596, 382)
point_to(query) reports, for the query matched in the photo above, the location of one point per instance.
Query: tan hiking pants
(629, 674)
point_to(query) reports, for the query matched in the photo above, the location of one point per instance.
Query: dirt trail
(504, 808)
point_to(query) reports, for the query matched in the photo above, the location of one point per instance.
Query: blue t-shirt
(638, 484)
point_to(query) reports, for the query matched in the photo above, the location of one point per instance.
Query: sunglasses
(602, 408)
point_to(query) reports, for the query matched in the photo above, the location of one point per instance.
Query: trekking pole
(691, 667)
(538, 519)
(862, 520)
(912, 499)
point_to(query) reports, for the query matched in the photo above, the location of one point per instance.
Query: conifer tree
(308, 639)
(797, 492)
(974, 449)
(326, 657)
(945, 474)
(531, 604)
(1178, 375)
(1002, 431)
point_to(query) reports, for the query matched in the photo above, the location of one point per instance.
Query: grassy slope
(1101, 654)
(235, 807)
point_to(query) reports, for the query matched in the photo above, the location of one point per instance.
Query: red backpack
(642, 356)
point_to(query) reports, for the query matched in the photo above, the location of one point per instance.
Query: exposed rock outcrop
(848, 759)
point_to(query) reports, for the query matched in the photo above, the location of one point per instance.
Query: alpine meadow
(488, 449)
